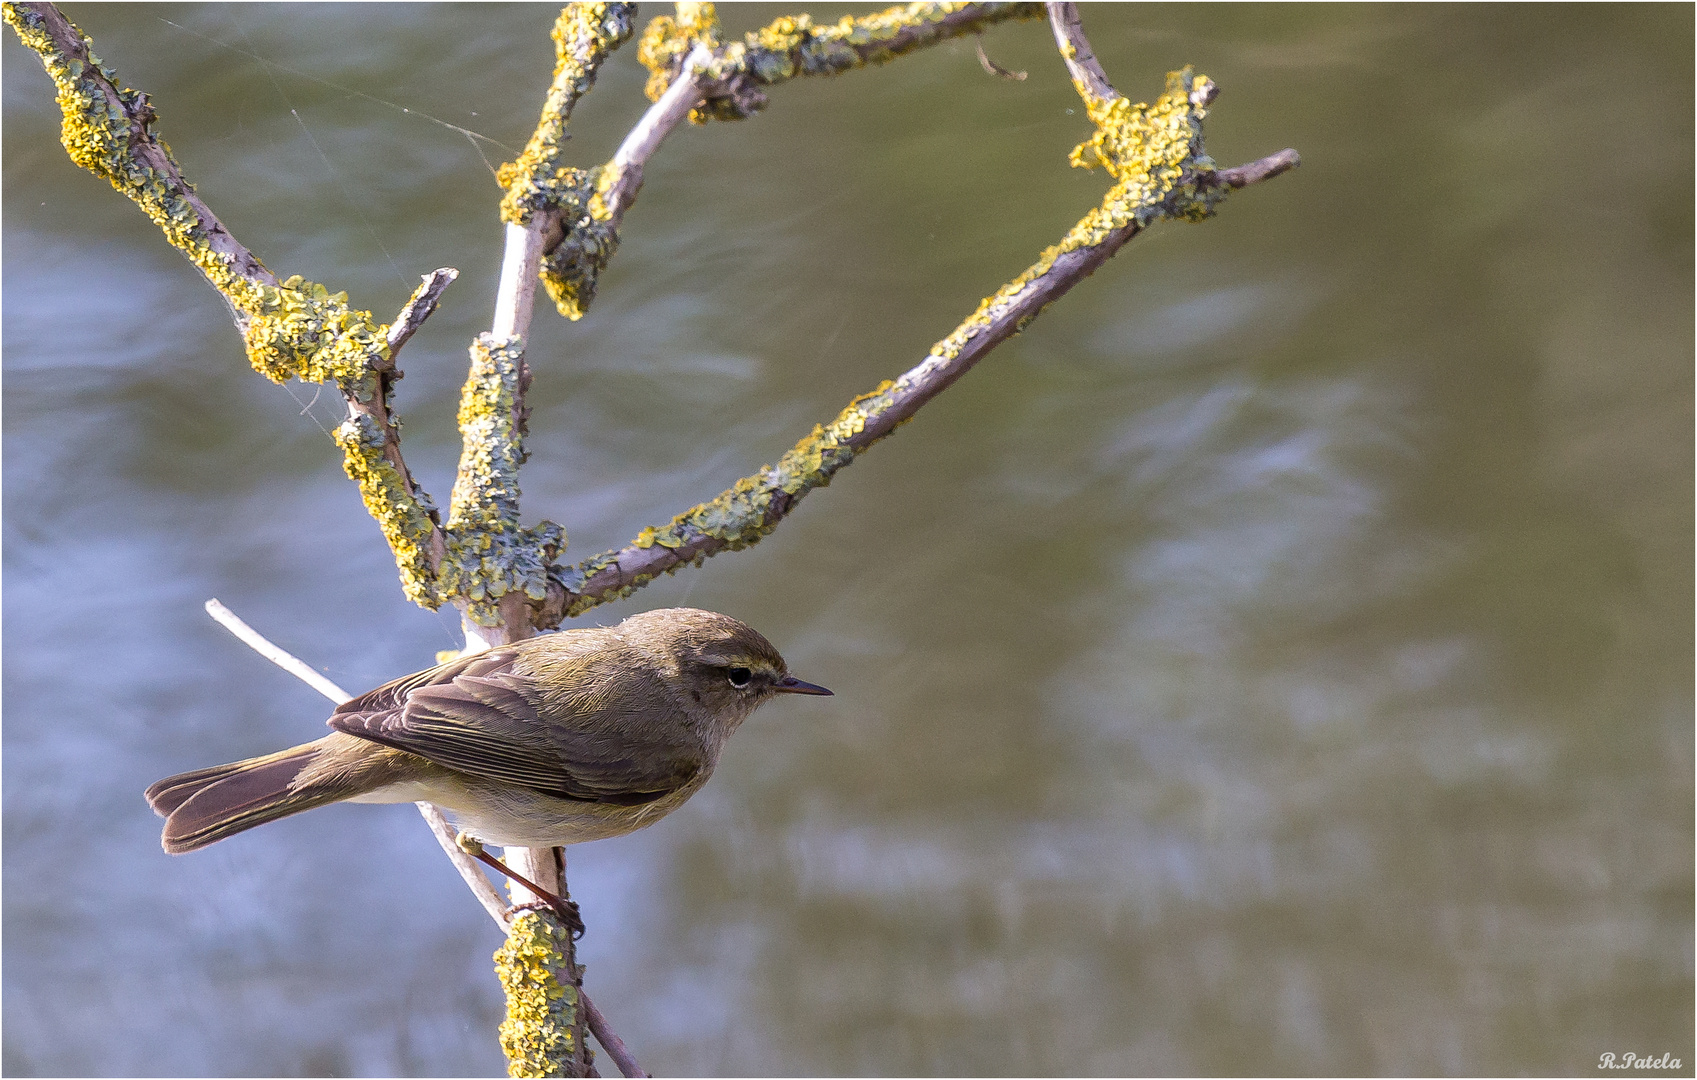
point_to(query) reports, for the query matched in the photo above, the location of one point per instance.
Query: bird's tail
(207, 805)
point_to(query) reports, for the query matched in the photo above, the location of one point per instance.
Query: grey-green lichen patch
(542, 1027)
(483, 565)
(488, 553)
(492, 426)
(571, 270)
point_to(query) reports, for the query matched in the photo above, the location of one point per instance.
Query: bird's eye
(740, 676)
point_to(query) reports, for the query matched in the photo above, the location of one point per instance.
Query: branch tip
(419, 307)
(1241, 176)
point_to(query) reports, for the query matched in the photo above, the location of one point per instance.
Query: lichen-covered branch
(488, 554)
(106, 129)
(792, 46)
(541, 1035)
(571, 269)
(540, 180)
(1156, 155)
(563, 226)
(540, 184)
(693, 74)
(292, 328)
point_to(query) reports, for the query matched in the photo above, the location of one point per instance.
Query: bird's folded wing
(483, 718)
(392, 695)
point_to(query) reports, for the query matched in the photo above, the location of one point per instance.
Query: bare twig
(684, 94)
(468, 868)
(420, 307)
(282, 658)
(989, 65)
(1254, 172)
(608, 1038)
(480, 886)
(515, 296)
(1082, 65)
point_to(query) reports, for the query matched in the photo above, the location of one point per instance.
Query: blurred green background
(1277, 660)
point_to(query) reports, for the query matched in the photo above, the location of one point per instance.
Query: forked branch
(1156, 155)
(563, 225)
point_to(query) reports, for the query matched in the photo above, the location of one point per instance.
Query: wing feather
(484, 715)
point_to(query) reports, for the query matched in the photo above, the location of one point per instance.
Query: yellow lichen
(540, 179)
(739, 516)
(792, 46)
(294, 328)
(668, 39)
(96, 133)
(743, 514)
(1153, 151)
(488, 553)
(541, 1032)
(400, 511)
(301, 329)
(584, 35)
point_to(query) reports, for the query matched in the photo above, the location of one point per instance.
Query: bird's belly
(511, 816)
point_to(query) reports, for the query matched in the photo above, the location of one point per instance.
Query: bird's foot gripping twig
(565, 909)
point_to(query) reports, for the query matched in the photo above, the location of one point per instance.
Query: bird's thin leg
(566, 909)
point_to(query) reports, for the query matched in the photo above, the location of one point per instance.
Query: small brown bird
(558, 739)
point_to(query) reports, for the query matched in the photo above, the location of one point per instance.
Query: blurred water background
(1277, 660)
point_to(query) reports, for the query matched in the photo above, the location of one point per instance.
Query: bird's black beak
(789, 684)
